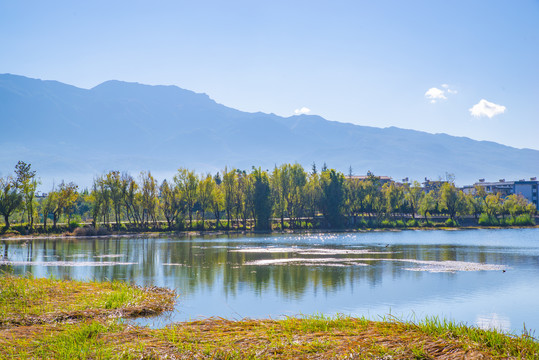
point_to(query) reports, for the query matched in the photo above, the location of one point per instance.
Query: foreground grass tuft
(25, 300)
(524, 346)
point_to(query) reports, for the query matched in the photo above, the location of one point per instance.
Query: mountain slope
(73, 134)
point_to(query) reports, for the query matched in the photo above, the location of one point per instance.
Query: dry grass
(25, 300)
(293, 338)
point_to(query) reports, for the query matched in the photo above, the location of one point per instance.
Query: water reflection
(457, 274)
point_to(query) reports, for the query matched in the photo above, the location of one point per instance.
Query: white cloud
(486, 108)
(434, 94)
(303, 110)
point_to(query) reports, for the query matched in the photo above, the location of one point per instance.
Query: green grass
(28, 300)
(523, 346)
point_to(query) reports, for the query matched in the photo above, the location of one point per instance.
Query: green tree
(332, 200)
(312, 195)
(515, 205)
(48, 204)
(413, 194)
(262, 199)
(296, 193)
(280, 185)
(354, 196)
(242, 197)
(27, 183)
(475, 204)
(149, 199)
(229, 187)
(374, 201)
(427, 205)
(187, 184)
(394, 197)
(63, 200)
(205, 193)
(10, 199)
(113, 182)
(170, 202)
(452, 200)
(492, 206)
(100, 198)
(217, 203)
(131, 198)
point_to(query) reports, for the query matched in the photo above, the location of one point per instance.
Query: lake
(486, 278)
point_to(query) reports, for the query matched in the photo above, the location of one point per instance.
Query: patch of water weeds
(419, 265)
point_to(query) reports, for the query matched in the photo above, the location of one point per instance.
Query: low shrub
(451, 223)
(23, 228)
(196, 225)
(73, 224)
(486, 220)
(305, 225)
(387, 224)
(400, 224)
(363, 224)
(427, 224)
(412, 223)
(524, 220)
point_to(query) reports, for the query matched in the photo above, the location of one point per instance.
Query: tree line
(286, 197)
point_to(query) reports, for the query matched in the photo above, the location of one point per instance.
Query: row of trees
(235, 198)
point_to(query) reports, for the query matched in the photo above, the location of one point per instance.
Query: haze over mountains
(74, 134)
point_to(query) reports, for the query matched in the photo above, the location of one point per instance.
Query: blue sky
(420, 65)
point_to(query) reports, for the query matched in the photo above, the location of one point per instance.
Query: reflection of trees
(208, 264)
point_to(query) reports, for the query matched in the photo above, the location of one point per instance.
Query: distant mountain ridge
(74, 134)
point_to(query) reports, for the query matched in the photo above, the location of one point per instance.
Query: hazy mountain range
(74, 134)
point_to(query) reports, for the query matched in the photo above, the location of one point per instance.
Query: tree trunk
(202, 219)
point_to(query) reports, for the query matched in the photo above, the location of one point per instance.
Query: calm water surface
(458, 275)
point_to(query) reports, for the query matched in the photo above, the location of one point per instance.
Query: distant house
(502, 187)
(381, 179)
(526, 188)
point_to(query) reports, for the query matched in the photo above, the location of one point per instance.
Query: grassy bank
(293, 338)
(360, 223)
(49, 318)
(104, 232)
(25, 300)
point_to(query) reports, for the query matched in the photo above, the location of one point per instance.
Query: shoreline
(187, 233)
